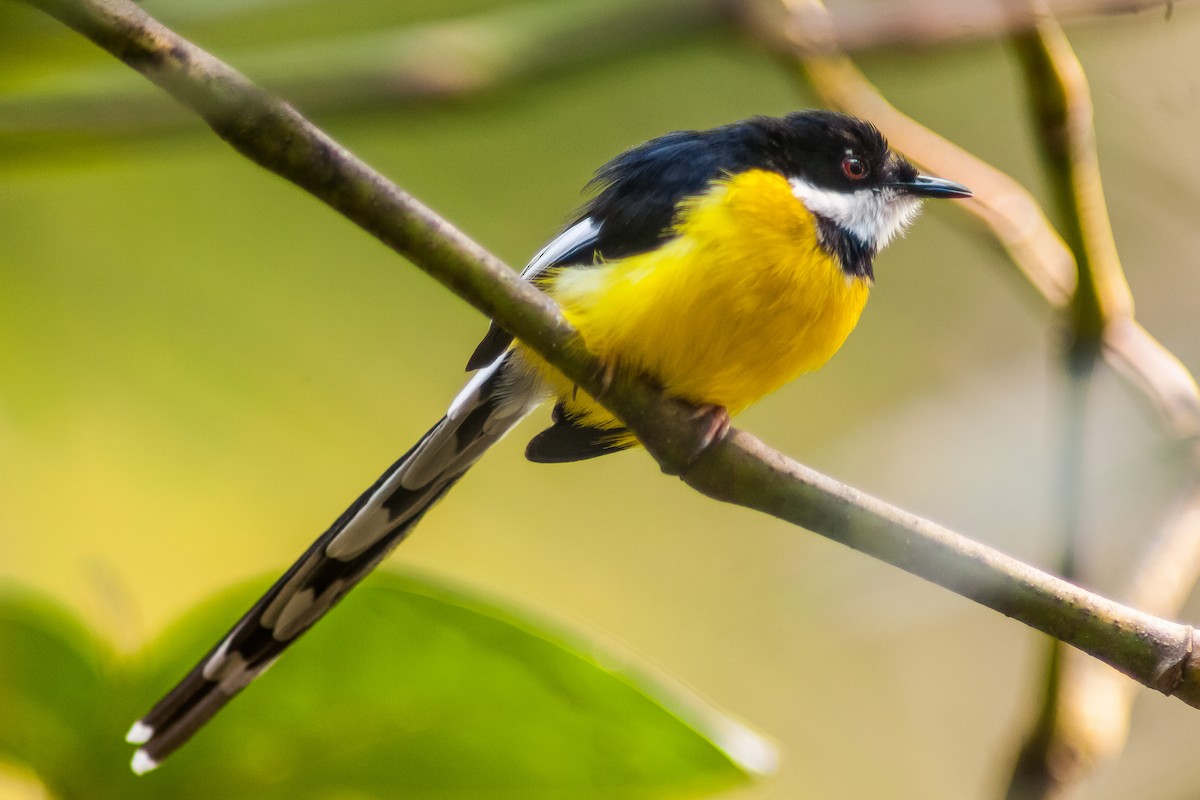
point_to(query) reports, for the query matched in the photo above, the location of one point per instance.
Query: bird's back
(741, 300)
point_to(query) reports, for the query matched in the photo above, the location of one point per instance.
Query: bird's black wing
(574, 245)
(633, 210)
(569, 440)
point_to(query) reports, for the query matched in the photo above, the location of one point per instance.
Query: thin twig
(1063, 112)
(1057, 753)
(1159, 376)
(1092, 715)
(739, 469)
(801, 32)
(856, 27)
(1049, 760)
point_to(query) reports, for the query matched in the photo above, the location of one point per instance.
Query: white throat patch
(874, 216)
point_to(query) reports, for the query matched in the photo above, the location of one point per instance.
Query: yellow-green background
(200, 366)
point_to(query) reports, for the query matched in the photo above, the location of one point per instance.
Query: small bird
(721, 264)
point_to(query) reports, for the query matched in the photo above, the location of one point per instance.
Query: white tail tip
(142, 763)
(140, 733)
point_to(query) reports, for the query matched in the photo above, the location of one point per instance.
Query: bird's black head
(841, 168)
(830, 150)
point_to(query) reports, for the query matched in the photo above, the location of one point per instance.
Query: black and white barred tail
(494, 401)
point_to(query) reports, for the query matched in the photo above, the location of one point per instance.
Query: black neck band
(853, 254)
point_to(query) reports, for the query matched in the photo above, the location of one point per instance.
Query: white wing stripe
(573, 238)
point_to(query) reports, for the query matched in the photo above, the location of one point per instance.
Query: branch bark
(739, 469)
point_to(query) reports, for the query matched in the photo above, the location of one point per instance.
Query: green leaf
(411, 690)
(54, 679)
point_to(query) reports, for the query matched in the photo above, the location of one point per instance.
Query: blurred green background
(200, 366)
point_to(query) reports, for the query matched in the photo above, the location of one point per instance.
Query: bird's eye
(854, 168)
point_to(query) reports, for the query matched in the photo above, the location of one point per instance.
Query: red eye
(854, 168)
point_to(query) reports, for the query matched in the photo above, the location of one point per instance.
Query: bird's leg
(715, 420)
(606, 374)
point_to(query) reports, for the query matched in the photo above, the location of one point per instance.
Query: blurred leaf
(52, 682)
(413, 689)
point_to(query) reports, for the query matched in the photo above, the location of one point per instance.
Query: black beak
(926, 186)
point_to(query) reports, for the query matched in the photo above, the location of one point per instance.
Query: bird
(721, 264)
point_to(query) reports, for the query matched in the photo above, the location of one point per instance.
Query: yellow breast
(740, 302)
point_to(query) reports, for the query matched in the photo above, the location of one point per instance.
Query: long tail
(495, 400)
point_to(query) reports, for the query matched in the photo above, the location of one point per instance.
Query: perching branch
(739, 469)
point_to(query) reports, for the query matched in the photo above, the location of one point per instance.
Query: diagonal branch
(739, 469)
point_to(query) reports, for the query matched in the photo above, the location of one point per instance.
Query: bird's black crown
(639, 191)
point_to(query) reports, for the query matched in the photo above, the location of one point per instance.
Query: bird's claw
(606, 373)
(715, 420)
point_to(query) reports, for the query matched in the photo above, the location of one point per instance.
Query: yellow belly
(742, 301)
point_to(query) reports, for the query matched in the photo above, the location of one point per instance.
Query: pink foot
(716, 424)
(605, 374)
